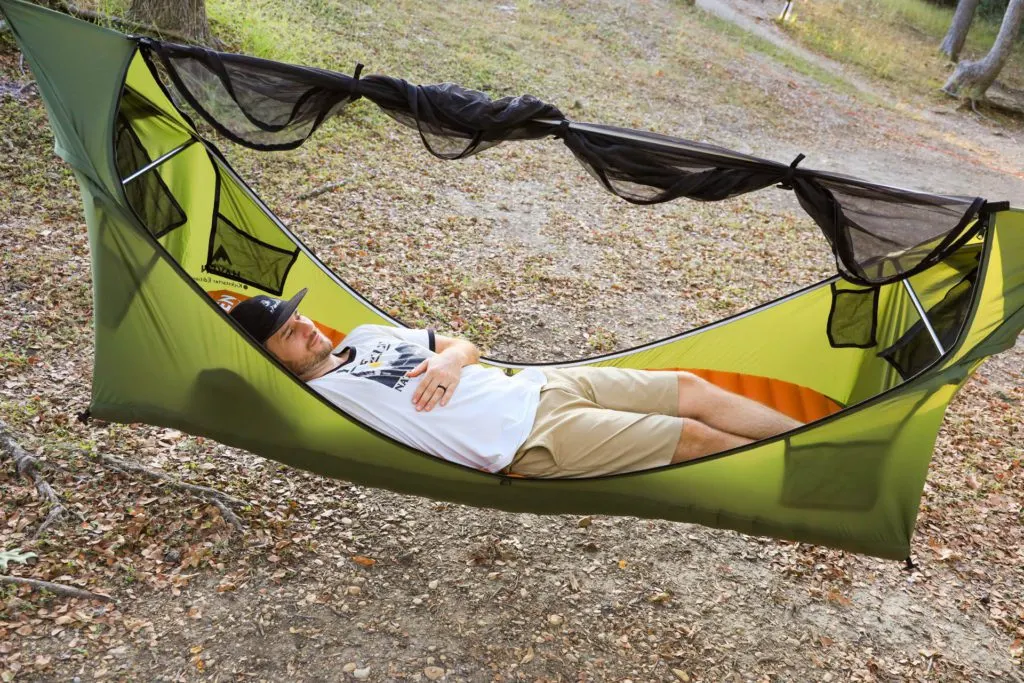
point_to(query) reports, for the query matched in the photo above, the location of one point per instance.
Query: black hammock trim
(878, 234)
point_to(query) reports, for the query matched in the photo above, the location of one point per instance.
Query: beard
(321, 349)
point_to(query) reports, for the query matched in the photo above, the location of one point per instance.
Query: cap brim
(286, 311)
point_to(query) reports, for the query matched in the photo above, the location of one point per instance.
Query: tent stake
(153, 164)
(924, 317)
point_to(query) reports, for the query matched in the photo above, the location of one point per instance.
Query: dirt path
(759, 18)
(937, 148)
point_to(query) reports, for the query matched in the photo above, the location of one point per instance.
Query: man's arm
(462, 348)
(441, 373)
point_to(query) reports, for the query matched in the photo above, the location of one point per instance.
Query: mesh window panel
(148, 194)
(853, 318)
(882, 235)
(915, 350)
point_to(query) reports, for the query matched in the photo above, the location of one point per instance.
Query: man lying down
(429, 392)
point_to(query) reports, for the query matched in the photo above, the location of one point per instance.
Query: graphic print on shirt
(388, 363)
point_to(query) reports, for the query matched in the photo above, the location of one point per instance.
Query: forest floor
(521, 251)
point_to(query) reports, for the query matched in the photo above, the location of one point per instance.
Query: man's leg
(697, 440)
(727, 412)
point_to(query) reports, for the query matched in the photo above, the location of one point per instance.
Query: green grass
(894, 40)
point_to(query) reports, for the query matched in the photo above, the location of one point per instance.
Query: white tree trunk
(183, 17)
(957, 34)
(972, 79)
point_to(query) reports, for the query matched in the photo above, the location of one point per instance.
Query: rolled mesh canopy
(878, 234)
(267, 105)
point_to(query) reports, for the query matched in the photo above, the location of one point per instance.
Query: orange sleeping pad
(790, 399)
(799, 403)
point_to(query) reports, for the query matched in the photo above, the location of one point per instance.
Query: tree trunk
(957, 34)
(183, 17)
(972, 79)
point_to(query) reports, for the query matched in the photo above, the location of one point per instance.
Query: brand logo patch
(221, 255)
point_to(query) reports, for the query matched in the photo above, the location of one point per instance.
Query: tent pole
(924, 316)
(153, 164)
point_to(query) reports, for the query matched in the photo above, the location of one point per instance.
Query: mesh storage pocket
(915, 350)
(833, 476)
(148, 194)
(243, 258)
(853, 318)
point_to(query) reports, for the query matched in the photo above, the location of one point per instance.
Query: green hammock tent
(927, 287)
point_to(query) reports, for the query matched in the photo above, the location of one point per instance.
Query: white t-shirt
(487, 419)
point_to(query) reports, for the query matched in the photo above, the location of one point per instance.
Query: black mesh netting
(879, 234)
(271, 106)
(882, 234)
(647, 168)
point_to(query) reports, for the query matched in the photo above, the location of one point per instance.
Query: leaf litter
(331, 576)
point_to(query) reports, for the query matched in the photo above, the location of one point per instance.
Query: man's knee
(692, 393)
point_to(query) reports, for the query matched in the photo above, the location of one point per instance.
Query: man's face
(299, 345)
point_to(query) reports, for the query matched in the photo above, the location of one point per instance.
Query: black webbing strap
(989, 208)
(787, 180)
(353, 87)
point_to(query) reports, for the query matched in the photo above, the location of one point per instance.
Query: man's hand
(439, 382)
(442, 372)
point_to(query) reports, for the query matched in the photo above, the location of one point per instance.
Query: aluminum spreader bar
(924, 316)
(153, 164)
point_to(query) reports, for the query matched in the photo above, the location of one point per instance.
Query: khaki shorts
(597, 421)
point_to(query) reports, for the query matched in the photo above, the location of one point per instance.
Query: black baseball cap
(262, 316)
